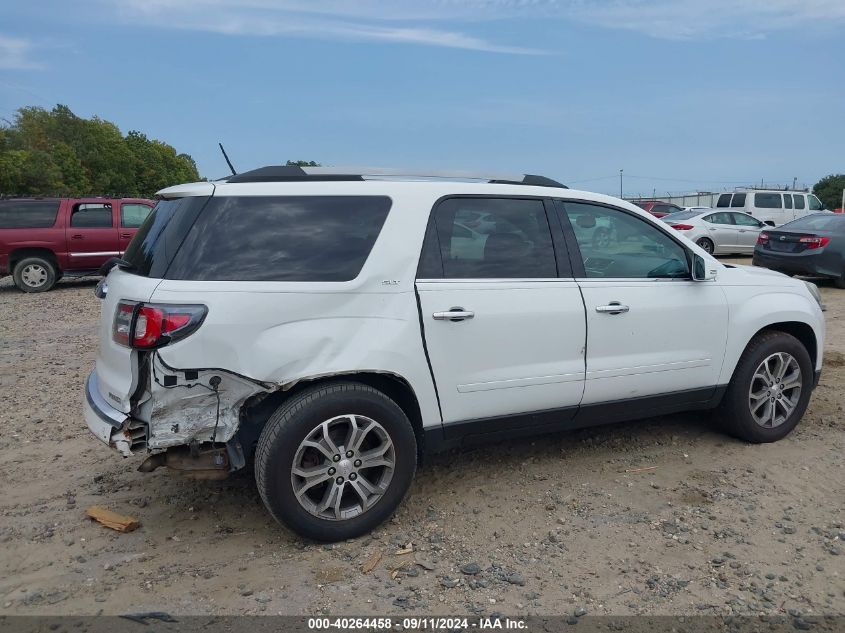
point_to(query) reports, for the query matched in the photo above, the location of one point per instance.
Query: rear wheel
(35, 274)
(335, 461)
(839, 282)
(770, 389)
(706, 244)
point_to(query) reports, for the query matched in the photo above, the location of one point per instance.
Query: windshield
(681, 215)
(818, 222)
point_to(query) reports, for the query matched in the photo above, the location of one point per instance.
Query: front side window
(494, 238)
(799, 200)
(768, 201)
(719, 218)
(133, 215)
(815, 203)
(616, 244)
(743, 219)
(738, 200)
(280, 238)
(91, 216)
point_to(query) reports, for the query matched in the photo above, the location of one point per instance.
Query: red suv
(43, 239)
(658, 208)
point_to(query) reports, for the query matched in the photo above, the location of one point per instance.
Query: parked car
(717, 232)
(658, 208)
(813, 246)
(771, 207)
(327, 324)
(44, 239)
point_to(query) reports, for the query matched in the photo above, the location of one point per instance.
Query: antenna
(228, 162)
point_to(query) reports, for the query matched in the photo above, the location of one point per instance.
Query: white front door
(515, 344)
(651, 329)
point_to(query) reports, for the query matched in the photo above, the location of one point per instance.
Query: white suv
(334, 326)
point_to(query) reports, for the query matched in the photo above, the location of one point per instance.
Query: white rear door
(516, 341)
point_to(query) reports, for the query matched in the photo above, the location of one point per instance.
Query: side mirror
(702, 270)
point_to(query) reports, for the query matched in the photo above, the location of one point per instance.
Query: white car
(717, 232)
(324, 323)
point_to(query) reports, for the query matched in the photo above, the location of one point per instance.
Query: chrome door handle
(453, 314)
(614, 307)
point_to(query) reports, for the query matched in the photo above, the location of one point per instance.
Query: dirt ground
(662, 516)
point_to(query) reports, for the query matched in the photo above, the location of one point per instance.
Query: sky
(681, 95)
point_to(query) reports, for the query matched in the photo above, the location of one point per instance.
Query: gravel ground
(662, 516)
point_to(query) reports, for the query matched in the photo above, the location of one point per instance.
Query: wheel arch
(33, 251)
(258, 409)
(800, 330)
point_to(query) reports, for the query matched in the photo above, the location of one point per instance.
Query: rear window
(281, 238)
(724, 201)
(28, 214)
(738, 200)
(154, 245)
(682, 215)
(817, 222)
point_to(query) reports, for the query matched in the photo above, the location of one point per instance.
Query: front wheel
(706, 244)
(770, 389)
(335, 461)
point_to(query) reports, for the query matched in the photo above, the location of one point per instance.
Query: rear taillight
(153, 325)
(763, 238)
(682, 227)
(814, 241)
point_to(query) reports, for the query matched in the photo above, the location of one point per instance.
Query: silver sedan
(717, 232)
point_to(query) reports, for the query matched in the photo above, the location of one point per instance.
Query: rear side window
(787, 201)
(91, 216)
(799, 200)
(281, 238)
(768, 200)
(28, 214)
(738, 200)
(719, 218)
(494, 238)
(133, 215)
(724, 201)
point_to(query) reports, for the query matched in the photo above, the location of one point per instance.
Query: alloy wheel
(775, 390)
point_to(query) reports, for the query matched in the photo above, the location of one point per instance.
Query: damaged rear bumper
(109, 425)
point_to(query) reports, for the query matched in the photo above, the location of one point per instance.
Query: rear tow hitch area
(194, 462)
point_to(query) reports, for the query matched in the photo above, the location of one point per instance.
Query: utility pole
(620, 183)
(794, 182)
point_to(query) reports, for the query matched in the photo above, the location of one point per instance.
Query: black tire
(734, 413)
(706, 244)
(294, 420)
(35, 268)
(839, 282)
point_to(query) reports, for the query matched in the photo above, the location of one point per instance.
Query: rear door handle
(76, 237)
(614, 307)
(126, 235)
(453, 314)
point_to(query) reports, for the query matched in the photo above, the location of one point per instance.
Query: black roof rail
(288, 173)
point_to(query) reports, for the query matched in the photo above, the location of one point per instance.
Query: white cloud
(421, 21)
(15, 54)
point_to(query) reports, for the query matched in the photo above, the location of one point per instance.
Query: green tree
(58, 153)
(829, 190)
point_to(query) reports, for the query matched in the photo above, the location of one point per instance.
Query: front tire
(335, 461)
(770, 389)
(35, 274)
